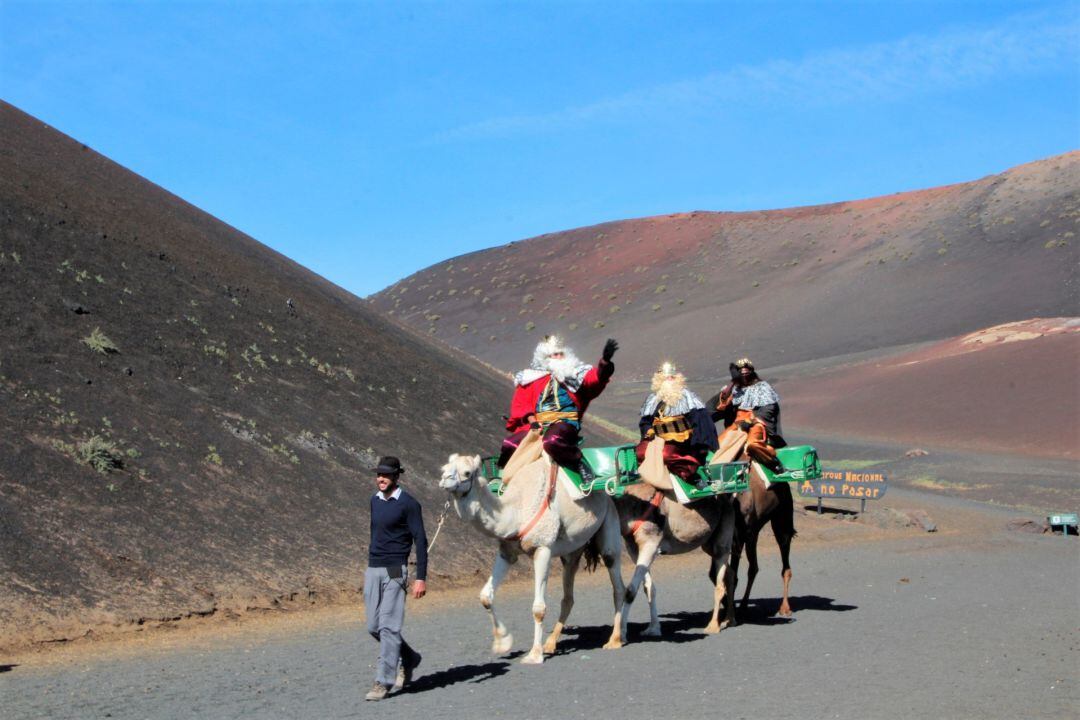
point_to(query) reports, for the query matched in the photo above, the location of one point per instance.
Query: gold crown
(743, 363)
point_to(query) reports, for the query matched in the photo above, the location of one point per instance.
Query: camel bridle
(458, 492)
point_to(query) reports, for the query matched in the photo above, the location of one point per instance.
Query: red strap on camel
(657, 498)
(543, 505)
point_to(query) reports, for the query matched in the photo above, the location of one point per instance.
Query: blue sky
(369, 140)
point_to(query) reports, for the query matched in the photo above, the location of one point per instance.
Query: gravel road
(944, 625)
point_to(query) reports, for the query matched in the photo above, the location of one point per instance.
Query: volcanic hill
(189, 417)
(800, 289)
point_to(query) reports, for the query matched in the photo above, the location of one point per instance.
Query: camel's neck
(487, 511)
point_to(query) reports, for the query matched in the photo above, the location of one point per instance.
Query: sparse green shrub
(598, 324)
(659, 289)
(530, 326)
(212, 455)
(218, 350)
(284, 451)
(99, 342)
(655, 308)
(100, 454)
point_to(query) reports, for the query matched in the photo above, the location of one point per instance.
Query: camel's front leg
(541, 565)
(503, 640)
(785, 549)
(611, 553)
(720, 574)
(654, 617)
(751, 569)
(570, 568)
(646, 553)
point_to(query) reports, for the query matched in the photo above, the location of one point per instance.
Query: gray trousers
(384, 600)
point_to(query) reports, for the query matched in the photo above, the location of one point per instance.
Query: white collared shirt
(393, 496)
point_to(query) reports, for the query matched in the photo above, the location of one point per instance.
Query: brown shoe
(377, 692)
(405, 670)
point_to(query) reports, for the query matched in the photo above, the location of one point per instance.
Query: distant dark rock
(923, 520)
(1026, 525)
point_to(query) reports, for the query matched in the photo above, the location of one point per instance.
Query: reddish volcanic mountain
(783, 285)
(798, 289)
(1015, 387)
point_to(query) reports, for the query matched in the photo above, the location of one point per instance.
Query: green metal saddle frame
(800, 463)
(615, 468)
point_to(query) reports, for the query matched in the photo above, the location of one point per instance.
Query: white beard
(670, 390)
(564, 368)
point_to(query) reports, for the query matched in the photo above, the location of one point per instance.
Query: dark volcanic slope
(783, 286)
(239, 427)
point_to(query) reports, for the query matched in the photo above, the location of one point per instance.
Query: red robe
(527, 396)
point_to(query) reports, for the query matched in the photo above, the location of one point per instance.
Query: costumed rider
(750, 404)
(673, 412)
(551, 395)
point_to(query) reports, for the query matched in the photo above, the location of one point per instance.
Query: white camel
(537, 517)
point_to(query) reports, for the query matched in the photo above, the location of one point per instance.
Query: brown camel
(756, 506)
(651, 521)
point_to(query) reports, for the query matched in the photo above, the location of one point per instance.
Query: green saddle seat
(712, 480)
(612, 468)
(800, 463)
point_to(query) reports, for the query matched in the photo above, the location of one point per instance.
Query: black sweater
(395, 526)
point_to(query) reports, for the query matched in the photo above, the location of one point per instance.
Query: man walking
(396, 525)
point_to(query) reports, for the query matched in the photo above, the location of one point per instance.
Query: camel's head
(459, 473)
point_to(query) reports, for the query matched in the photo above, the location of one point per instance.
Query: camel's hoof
(784, 612)
(533, 658)
(549, 647)
(712, 628)
(613, 644)
(502, 645)
(651, 632)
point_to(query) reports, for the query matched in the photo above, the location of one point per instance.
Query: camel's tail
(592, 553)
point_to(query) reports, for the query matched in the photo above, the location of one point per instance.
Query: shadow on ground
(758, 612)
(593, 637)
(763, 611)
(454, 675)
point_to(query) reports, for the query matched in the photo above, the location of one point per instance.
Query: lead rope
(442, 519)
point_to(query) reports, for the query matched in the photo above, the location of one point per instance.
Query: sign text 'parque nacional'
(846, 484)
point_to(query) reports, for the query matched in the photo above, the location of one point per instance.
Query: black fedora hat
(389, 465)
